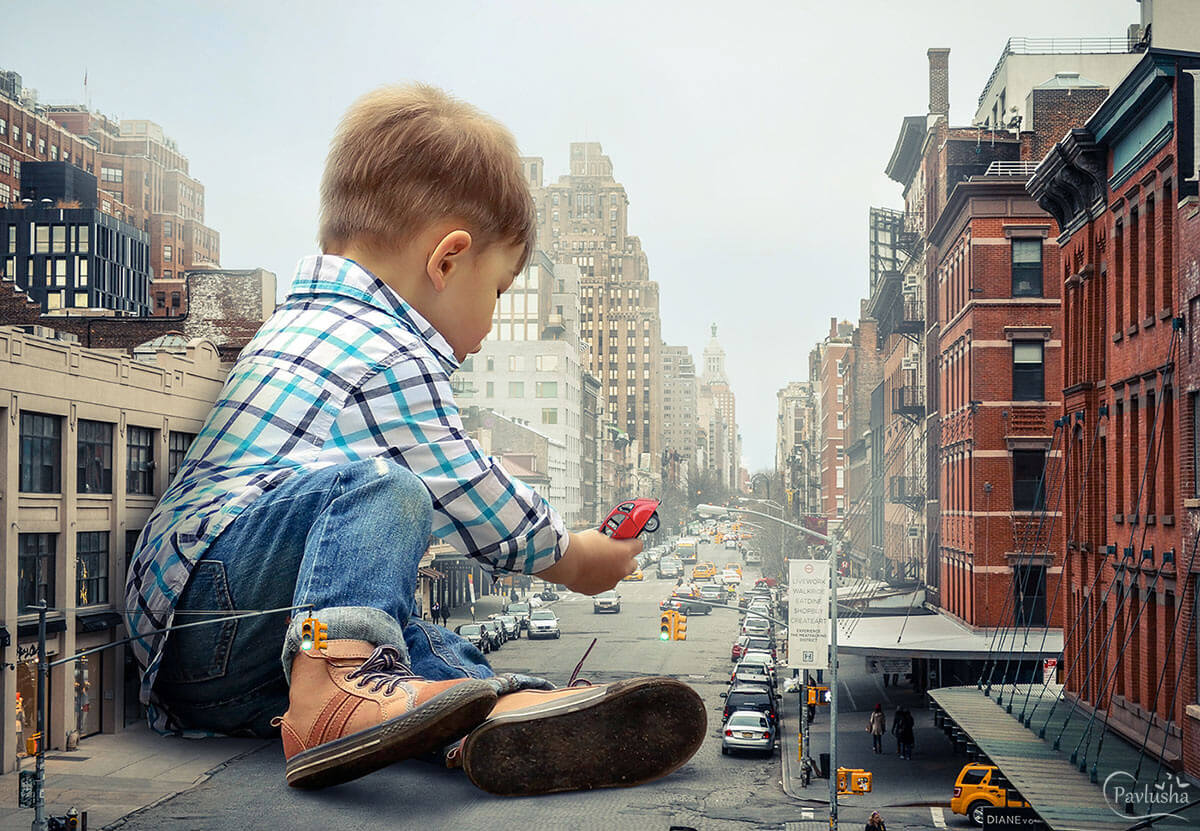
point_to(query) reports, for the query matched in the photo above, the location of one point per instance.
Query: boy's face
(470, 296)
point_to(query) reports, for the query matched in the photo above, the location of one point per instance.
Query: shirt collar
(330, 274)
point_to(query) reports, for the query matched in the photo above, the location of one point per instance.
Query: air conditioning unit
(914, 531)
(908, 363)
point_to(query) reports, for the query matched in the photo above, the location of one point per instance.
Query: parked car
(713, 592)
(520, 611)
(543, 623)
(494, 632)
(753, 625)
(669, 566)
(750, 697)
(748, 730)
(752, 669)
(474, 634)
(608, 601)
(747, 642)
(979, 786)
(510, 625)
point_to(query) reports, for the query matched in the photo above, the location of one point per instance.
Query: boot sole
(439, 721)
(639, 730)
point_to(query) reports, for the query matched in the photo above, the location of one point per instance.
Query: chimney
(939, 83)
(833, 327)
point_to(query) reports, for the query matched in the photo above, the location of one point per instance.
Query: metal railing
(1056, 46)
(1002, 168)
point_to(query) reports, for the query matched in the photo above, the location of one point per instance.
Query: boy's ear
(446, 257)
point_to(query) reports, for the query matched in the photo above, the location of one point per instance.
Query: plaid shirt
(343, 370)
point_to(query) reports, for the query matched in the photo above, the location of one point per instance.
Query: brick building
(862, 374)
(829, 357)
(1123, 190)
(1000, 371)
(27, 135)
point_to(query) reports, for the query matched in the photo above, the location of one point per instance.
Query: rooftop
(1057, 46)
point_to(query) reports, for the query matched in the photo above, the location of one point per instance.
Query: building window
(35, 570)
(1028, 466)
(491, 389)
(177, 447)
(1027, 268)
(160, 299)
(91, 567)
(516, 389)
(94, 465)
(139, 478)
(468, 364)
(516, 363)
(41, 453)
(167, 253)
(841, 421)
(1028, 371)
(175, 300)
(1029, 594)
(112, 174)
(491, 364)
(547, 389)
(550, 415)
(546, 363)
(166, 227)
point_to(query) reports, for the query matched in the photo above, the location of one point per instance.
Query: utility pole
(717, 510)
(39, 781)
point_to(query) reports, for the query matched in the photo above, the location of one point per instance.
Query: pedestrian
(445, 616)
(875, 823)
(435, 611)
(876, 725)
(897, 722)
(333, 453)
(905, 737)
(472, 612)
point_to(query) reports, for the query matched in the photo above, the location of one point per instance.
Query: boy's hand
(593, 563)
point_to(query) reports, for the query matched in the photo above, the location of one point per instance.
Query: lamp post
(716, 511)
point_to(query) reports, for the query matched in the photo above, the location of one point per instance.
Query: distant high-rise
(582, 221)
(717, 402)
(679, 412)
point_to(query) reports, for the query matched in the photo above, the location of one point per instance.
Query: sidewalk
(112, 775)
(926, 780)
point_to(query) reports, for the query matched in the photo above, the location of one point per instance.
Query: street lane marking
(939, 818)
(849, 695)
(806, 813)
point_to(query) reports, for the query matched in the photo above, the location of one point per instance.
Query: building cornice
(1071, 183)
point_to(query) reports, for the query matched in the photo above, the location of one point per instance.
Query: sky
(751, 137)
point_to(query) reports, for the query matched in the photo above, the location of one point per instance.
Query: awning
(941, 636)
(431, 573)
(1066, 798)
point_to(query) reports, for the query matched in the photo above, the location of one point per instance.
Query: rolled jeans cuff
(355, 623)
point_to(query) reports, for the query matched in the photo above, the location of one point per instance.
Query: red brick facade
(1000, 370)
(1128, 271)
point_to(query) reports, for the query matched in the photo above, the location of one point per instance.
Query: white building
(529, 370)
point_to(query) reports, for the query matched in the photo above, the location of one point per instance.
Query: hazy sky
(751, 137)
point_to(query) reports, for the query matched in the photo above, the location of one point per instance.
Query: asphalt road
(710, 792)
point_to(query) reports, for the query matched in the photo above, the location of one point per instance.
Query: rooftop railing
(1009, 168)
(1057, 46)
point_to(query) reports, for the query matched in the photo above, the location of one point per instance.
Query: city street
(710, 792)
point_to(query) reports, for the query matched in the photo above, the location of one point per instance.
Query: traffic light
(679, 633)
(31, 744)
(665, 627)
(321, 639)
(308, 633)
(818, 695)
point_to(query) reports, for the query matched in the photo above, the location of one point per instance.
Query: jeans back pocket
(201, 653)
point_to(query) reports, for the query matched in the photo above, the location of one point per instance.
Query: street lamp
(716, 511)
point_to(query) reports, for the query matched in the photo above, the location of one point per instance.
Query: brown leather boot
(354, 708)
(579, 738)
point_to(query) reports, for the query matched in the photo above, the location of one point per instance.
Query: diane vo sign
(808, 614)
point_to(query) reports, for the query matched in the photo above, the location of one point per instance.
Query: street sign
(808, 614)
(1049, 669)
(25, 788)
(1006, 819)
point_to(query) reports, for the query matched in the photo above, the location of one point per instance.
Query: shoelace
(581, 682)
(383, 669)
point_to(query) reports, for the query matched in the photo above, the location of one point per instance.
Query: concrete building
(530, 370)
(680, 400)
(65, 253)
(719, 404)
(89, 439)
(861, 376)
(583, 221)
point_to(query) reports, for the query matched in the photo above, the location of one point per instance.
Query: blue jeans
(346, 539)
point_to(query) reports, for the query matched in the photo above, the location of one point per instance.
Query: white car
(543, 623)
(730, 577)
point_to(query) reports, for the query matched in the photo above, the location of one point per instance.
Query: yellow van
(979, 786)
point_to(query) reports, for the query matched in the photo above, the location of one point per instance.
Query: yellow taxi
(734, 567)
(637, 575)
(704, 571)
(979, 786)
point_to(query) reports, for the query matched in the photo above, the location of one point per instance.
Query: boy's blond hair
(406, 156)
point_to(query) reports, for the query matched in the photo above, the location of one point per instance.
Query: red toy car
(631, 518)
